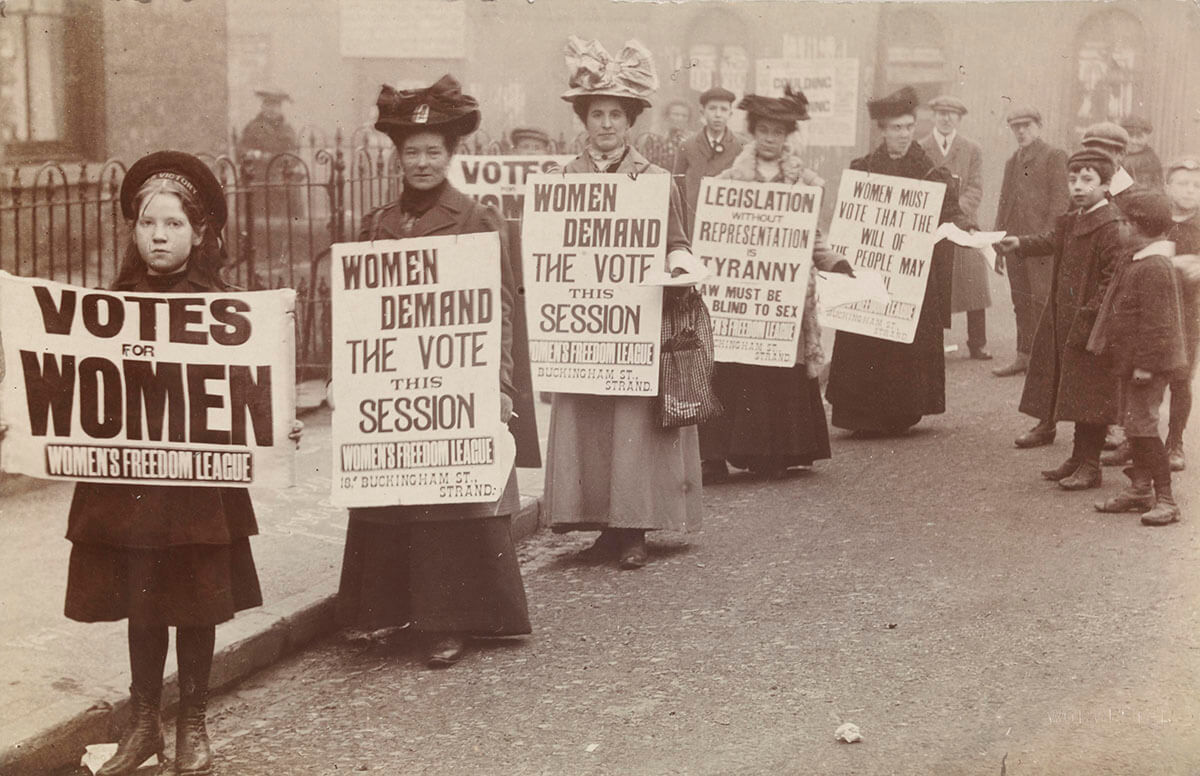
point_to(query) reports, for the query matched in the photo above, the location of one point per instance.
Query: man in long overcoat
(1033, 195)
(963, 157)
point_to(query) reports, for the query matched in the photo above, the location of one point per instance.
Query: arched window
(1109, 68)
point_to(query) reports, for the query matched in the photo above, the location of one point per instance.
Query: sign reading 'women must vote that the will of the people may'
(145, 388)
(757, 241)
(887, 224)
(417, 342)
(593, 244)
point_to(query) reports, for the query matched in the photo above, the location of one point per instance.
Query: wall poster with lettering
(831, 86)
(417, 328)
(499, 181)
(757, 241)
(592, 242)
(151, 389)
(888, 224)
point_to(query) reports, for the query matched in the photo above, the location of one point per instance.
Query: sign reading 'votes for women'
(591, 241)
(417, 329)
(499, 181)
(757, 240)
(153, 389)
(887, 224)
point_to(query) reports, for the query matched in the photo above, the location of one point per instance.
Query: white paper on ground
(981, 241)
(835, 289)
(96, 755)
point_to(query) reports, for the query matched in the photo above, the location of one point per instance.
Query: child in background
(1183, 189)
(1139, 331)
(1065, 381)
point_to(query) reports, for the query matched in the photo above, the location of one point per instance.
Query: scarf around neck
(606, 162)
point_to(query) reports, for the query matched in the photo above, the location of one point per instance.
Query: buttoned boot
(1165, 510)
(1089, 439)
(147, 654)
(194, 649)
(1041, 434)
(1138, 497)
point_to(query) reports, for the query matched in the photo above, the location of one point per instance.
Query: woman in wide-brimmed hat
(448, 570)
(774, 417)
(610, 465)
(163, 556)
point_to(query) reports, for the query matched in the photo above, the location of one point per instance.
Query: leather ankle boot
(1062, 471)
(1041, 434)
(193, 753)
(1175, 456)
(1087, 476)
(144, 737)
(633, 549)
(1164, 512)
(1138, 497)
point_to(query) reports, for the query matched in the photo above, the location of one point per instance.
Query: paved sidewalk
(66, 683)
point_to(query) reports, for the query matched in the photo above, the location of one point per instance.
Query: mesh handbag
(685, 391)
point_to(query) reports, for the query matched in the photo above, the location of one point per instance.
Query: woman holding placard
(448, 570)
(610, 465)
(165, 556)
(774, 417)
(879, 387)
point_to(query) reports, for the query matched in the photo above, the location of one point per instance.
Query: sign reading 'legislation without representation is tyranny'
(154, 389)
(887, 224)
(757, 241)
(590, 242)
(417, 330)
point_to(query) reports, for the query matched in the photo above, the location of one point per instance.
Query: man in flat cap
(266, 136)
(269, 133)
(1140, 160)
(964, 158)
(529, 140)
(1032, 196)
(708, 152)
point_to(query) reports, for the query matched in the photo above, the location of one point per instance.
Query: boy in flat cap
(1140, 160)
(1065, 381)
(708, 152)
(529, 140)
(963, 157)
(1139, 332)
(1033, 194)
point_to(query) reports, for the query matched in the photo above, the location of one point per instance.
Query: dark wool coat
(878, 384)
(1065, 381)
(158, 516)
(697, 159)
(1186, 236)
(1034, 191)
(1140, 323)
(452, 213)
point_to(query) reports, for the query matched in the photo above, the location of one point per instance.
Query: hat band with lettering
(177, 178)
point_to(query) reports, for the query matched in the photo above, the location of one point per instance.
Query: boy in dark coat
(1064, 381)
(1140, 332)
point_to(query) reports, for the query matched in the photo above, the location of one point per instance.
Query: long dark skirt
(773, 417)
(183, 585)
(456, 576)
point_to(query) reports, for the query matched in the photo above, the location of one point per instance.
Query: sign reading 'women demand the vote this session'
(417, 329)
(887, 224)
(153, 389)
(591, 243)
(757, 241)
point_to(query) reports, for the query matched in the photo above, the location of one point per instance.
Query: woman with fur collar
(774, 418)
